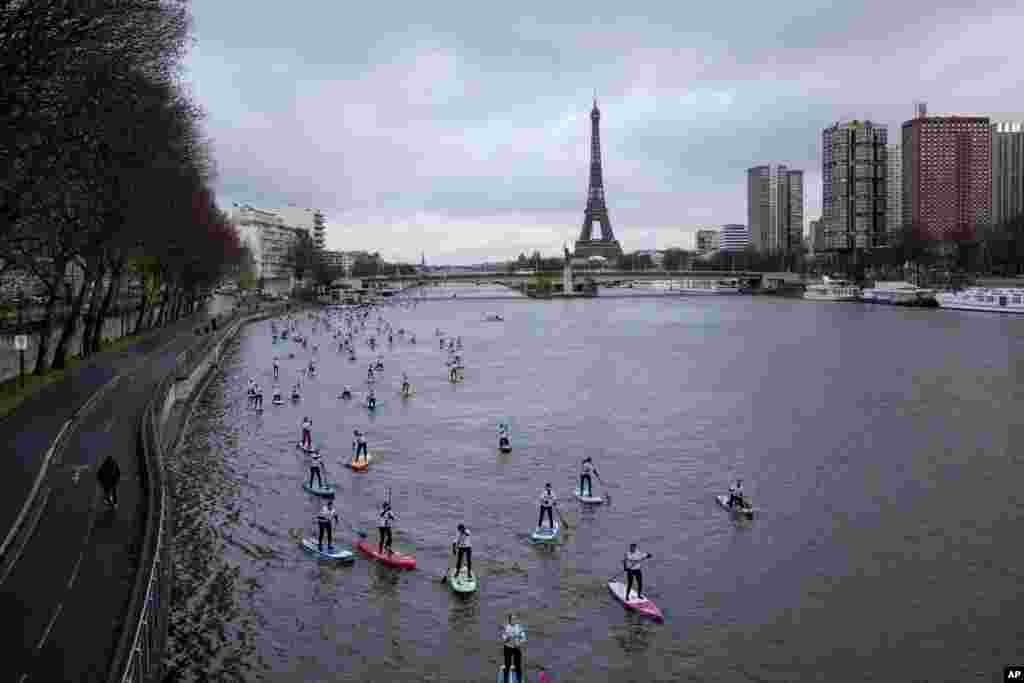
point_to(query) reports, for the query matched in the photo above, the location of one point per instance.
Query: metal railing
(139, 654)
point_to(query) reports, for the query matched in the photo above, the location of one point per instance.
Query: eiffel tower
(596, 211)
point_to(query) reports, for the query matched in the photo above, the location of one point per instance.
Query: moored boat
(727, 286)
(999, 300)
(899, 294)
(832, 289)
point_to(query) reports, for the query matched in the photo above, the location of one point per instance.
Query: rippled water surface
(881, 447)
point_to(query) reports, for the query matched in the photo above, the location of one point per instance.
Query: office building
(1007, 171)
(894, 189)
(853, 185)
(733, 237)
(707, 241)
(775, 208)
(947, 174)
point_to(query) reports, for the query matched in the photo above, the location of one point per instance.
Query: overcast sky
(461, 130)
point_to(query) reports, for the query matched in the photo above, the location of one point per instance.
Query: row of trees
(307, 261)
(997, 249)
(103, 166)
(991, 249)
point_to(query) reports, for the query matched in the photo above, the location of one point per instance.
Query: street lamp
(21, 342)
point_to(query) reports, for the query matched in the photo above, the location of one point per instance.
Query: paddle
(562, 517)
(361, 533)
(444, 577)
(607, 496)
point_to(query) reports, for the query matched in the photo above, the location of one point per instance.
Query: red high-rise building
(947, 174)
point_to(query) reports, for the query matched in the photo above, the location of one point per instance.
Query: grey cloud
(466, 128)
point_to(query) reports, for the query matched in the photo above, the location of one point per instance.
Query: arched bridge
(603, 277)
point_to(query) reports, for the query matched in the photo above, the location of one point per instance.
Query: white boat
(899, 293)
(656, 285)
(832, 289)
(729, 286)
(1002, 300)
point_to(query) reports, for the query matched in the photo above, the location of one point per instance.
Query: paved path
(66, 580)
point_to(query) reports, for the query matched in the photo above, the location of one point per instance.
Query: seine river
(881, 446)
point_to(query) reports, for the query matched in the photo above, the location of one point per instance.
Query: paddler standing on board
(360, 445)
(513, 636)
(307, 433)
(463, 546)
(631, 563)
(736, 494)
(324, 519)
(548, 501)
(385, 519)
(315, 465)
(586, 468)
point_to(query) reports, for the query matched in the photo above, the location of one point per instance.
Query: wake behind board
(513, 676)
(645, 607)
(545, 535)
(461, 583)
(362, 465)
(393, 559)
(724, 502)
(592, 499)
(310, 545)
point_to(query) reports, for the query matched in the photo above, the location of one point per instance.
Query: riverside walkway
(68, 562)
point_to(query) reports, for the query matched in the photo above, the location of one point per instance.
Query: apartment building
(947, 174)
(270, 240)
(775, 207)
(1007, 171)
(854, 168)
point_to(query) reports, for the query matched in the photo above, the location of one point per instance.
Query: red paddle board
(394, 559)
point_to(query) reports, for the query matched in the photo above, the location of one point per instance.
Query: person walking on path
(109, 475)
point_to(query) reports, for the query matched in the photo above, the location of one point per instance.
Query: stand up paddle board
(335, 553)
(278, 401)
(392, 560)
(513, 676)
(592, 499)
(363, 463)
(327, 490)
(724, 502)
(645, 607)
(545, 535)
(305, 449)
(461, 583)
(505, 449)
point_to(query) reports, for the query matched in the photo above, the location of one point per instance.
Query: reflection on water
(877, 450)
